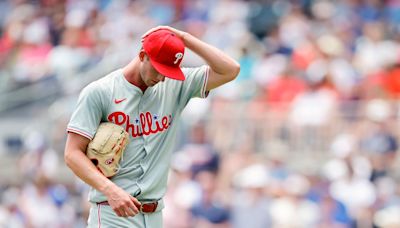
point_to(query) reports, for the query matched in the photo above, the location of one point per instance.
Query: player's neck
(132, 74)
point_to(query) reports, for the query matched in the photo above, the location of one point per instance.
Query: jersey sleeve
(88, 113)
(195, 84)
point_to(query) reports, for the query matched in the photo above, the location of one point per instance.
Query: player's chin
(152, 83)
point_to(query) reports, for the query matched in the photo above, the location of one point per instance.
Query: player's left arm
(223, 68)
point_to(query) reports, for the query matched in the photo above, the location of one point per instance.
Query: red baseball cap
(166, 51)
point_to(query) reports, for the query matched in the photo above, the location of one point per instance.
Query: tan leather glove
(106, 148)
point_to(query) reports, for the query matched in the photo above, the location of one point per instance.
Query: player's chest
(142, 114)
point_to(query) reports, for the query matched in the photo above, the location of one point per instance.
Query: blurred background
(307, 136)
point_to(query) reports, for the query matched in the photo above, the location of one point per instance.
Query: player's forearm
(86, 171)
(215, 58)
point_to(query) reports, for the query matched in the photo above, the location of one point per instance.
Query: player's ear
(142, 54)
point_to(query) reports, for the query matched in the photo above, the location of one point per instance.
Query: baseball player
(146, 99)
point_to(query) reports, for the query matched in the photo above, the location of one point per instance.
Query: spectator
(209, 211)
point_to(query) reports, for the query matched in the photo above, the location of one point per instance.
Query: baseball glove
(106, 148)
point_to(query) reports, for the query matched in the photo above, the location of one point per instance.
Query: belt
(144, 207)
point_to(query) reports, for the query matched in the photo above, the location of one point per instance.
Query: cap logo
(178, 56)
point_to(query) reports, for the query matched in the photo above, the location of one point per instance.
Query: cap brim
(168, 71)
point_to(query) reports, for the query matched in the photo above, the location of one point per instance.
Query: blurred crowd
(307, 136)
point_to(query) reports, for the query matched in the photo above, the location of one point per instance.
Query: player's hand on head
(177, 32)
(123, 204)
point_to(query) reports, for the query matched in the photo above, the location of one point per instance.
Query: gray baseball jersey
(150, 118)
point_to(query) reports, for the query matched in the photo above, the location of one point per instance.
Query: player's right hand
(123, 204)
